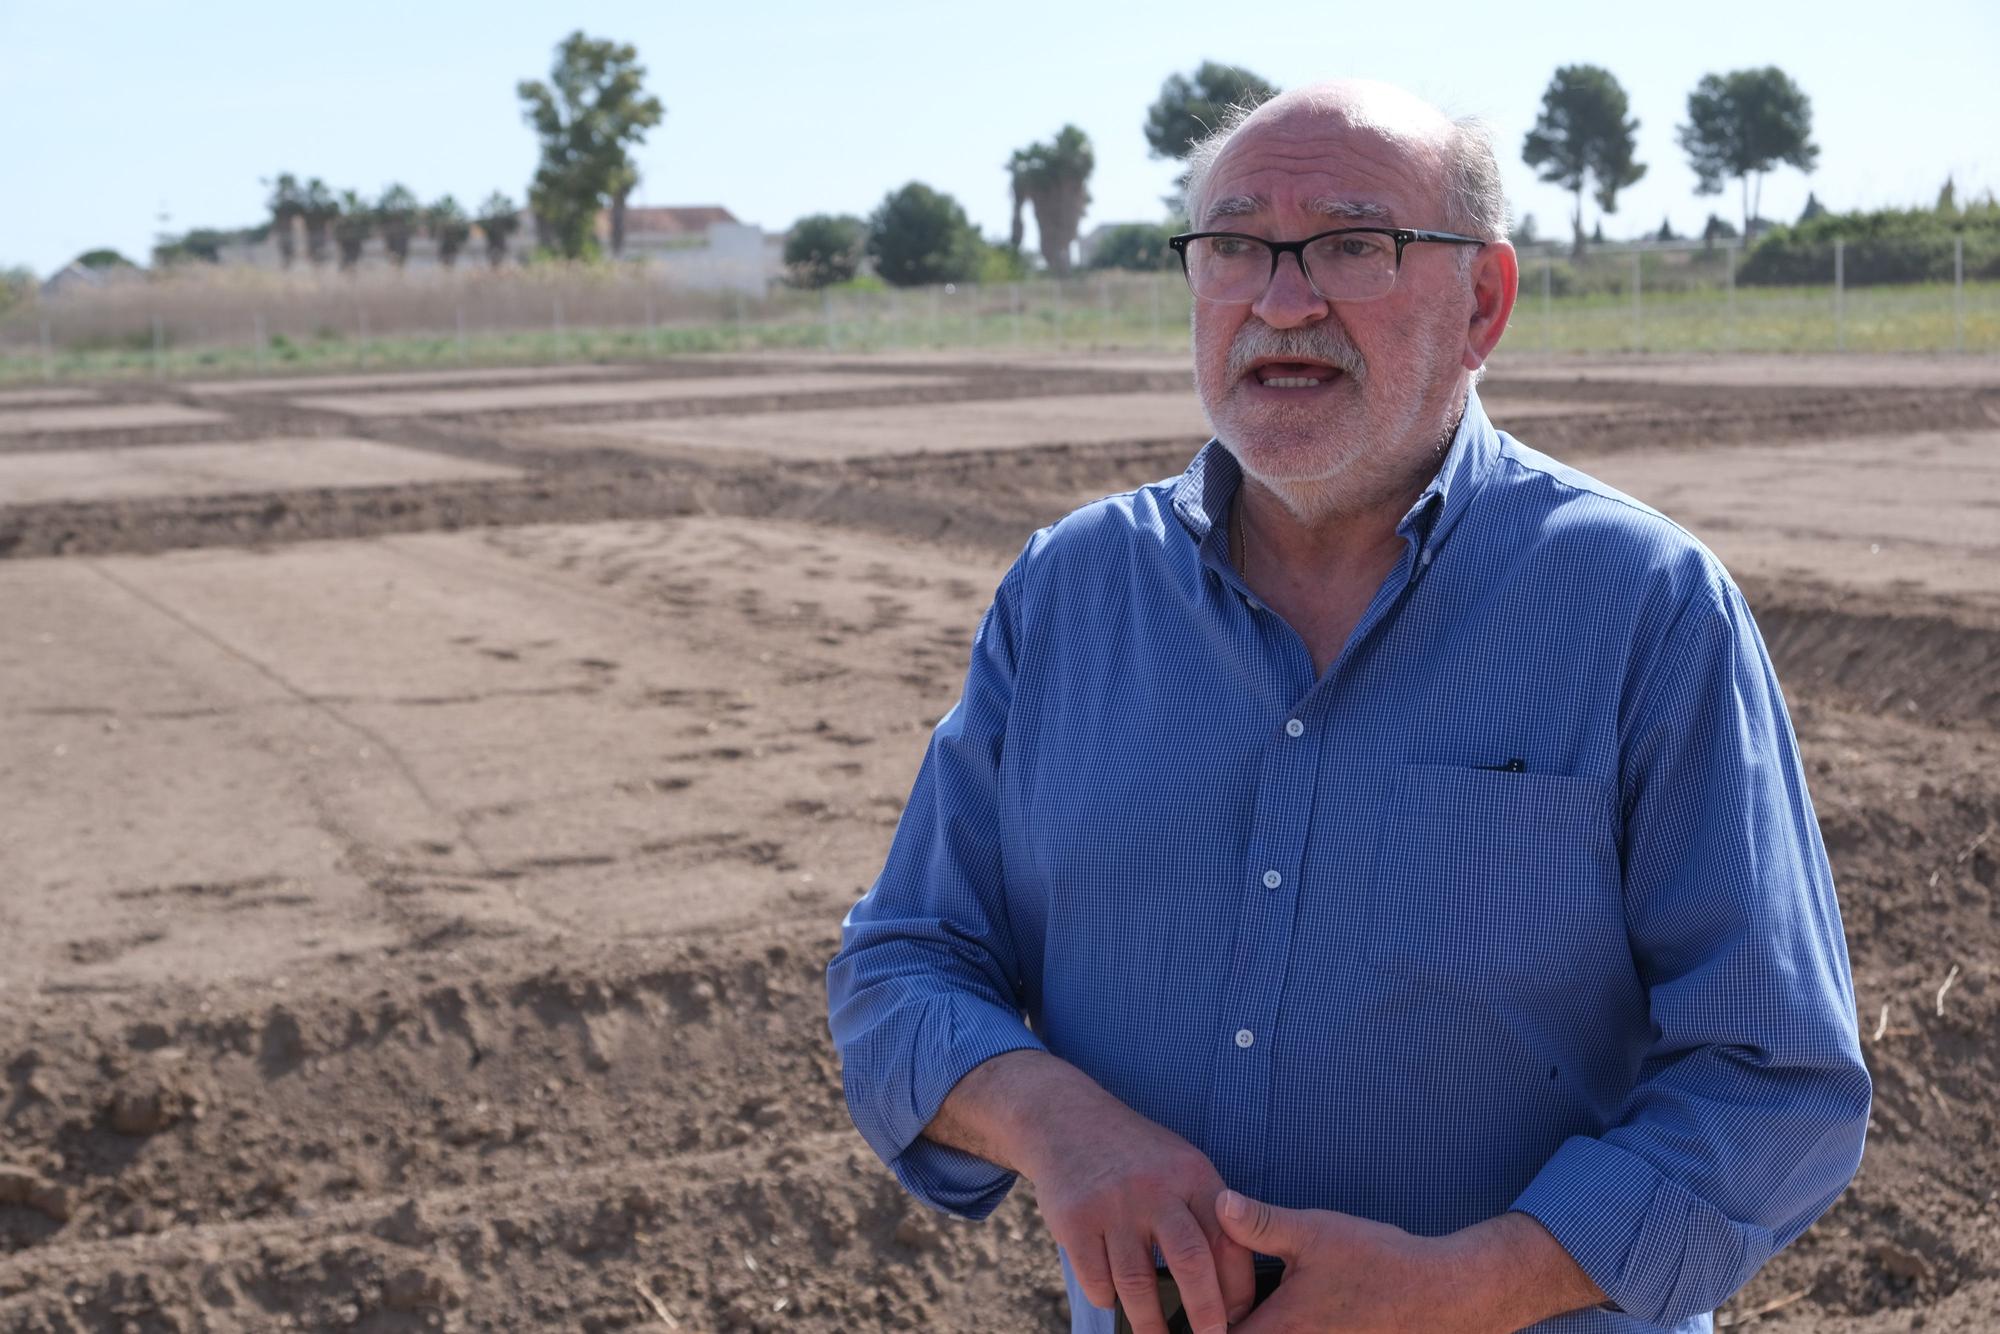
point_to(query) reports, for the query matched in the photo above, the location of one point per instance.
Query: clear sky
(115, 113)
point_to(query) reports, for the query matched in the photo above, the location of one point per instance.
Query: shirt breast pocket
(1490, 878)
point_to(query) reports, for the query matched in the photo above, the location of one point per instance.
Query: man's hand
(1114, 1186)
(1363, 1277)
(1111, 1186)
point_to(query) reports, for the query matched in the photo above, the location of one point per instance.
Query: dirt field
(425, 830)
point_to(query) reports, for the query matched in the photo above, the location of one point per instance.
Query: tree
(352, 227)
(918, 235)
(592, 108)
(1584, 134)
(449, 227)
(498, 221)
(1813, 208)
(1947, 201)
(1138, 246)
(824, 249)
(1053, 177)
(318, 209)
(1189, 106)
(1666, 232)
(287, 204)
(398, 214)
(1743, 124)
(1523, 234)
(1717, 229)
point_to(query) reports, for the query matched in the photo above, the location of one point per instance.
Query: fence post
(653, 327)
(361, 345)
(1104, 309)
(832, 338)
(1548, 304)
(458, 311)
(1959, 293)
(937, 315)
(159, 348)
(49, 352)
(562, 338)
(257, 339)
(1638, 305)
(1729, 297)
(1839, 295)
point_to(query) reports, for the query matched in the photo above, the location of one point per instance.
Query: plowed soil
(415, 889)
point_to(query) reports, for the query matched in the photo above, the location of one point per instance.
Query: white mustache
(1315, 342)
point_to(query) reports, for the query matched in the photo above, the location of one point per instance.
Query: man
(1394, 840)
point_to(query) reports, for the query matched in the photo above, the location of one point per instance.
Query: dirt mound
(474, 1149)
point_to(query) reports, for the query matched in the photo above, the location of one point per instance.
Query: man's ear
(1496, 279)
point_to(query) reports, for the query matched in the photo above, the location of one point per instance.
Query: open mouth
(1294, 375)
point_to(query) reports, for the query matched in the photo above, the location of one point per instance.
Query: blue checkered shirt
(1521, 905)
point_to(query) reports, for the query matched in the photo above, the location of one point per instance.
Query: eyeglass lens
(1353, 266)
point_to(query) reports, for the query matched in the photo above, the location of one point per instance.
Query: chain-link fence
(1877, 297)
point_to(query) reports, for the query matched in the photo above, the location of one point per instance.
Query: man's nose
(1289, 300)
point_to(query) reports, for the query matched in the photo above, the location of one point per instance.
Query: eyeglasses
(1346, 264)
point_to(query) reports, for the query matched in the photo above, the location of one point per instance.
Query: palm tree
(450, 228)
(351, 228)
(397, 214)
(287, 204)
(318, 209)
(1053, 177)
(499, 220)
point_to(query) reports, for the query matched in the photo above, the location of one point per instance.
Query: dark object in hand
(1269, 1272)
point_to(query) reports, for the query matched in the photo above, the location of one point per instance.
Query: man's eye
(1358, 247)
(1230, 247)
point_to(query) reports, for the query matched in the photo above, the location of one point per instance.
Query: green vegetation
(1138, 246)
(498, 221)
(449, 227)
(1190, 105)
(1743, 124)
(397, 215)
(593, 107)
(1054, 178)
(918, 236)
(824, 249)
(1590, 312)
(1583, 134)
(1883, 246)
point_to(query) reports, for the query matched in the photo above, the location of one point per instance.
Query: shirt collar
(1202, 494)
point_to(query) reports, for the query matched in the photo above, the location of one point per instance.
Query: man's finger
(1185, 1247)
(1236, 1270)
(1093, 1274)
(1138, 1283)
(1262, 1227)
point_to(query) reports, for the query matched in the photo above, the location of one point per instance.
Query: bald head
(1457, 156)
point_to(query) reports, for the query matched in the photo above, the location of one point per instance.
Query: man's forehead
(1344, 150)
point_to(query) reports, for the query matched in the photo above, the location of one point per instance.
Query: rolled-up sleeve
(926, 985)
(1747, 1118)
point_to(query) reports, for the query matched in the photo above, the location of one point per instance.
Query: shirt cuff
(1658, 1251)
(945, 1178)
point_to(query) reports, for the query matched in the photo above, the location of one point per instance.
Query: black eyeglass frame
(1402, 236)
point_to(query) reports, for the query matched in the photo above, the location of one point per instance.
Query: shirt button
(1244, 1037)
(1272, 880)
(1293, 727)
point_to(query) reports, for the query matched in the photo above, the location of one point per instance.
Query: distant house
(90, 271)
(700, 246)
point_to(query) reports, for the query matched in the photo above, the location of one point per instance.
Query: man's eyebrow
(1349, 210)
(1346, 210)
(1236, 206)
